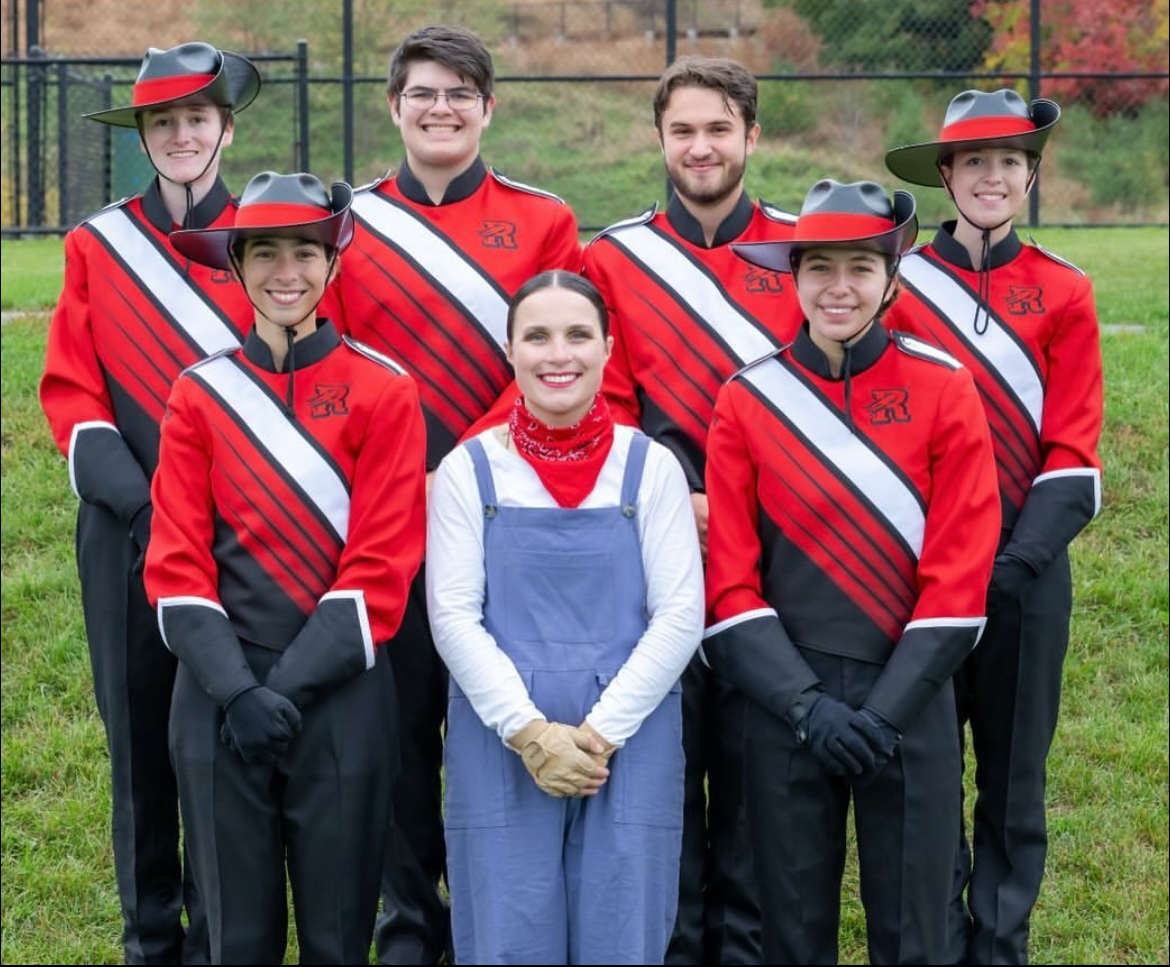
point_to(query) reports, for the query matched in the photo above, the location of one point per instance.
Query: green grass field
(1105, 899)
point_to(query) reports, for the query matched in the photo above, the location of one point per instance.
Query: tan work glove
(560, 758)
(607, 747)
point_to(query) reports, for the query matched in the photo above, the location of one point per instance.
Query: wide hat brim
(777, 256)
(212, 246)
(234, 86)
(918, 163)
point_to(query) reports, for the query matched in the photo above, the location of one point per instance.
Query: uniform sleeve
(382, 553)
(1067, 493)
(181, 574)
(74, 396)
(674, 600)
(745, 641)
(954, 566)
(562, 245)
(456, 587)
(618, 384)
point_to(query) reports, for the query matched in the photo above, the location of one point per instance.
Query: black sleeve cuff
(928, 653)
(200, 635)
(334, 645)
(753, 652)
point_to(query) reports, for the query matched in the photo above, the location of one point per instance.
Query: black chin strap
(190, 204)
(289, 330)
(983, 276)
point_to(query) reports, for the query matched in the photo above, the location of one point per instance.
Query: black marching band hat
(190, 72)
(856, 215)
(296, 205)
(977, 119)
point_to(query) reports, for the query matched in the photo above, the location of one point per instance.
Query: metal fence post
(63, 215)
(302, 96)
(36, 141)
(1034, 92)
(347, 87)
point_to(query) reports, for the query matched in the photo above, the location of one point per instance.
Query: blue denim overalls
(535, 879)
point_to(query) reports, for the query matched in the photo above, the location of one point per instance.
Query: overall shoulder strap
(483, 477)
(635, 464)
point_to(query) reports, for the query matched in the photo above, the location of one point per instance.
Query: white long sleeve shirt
(456, 584)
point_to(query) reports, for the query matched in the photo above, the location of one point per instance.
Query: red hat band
(277, 214)
(986, 127)
(835, 226)
(169, 88)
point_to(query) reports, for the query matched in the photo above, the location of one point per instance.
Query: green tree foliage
(895, 35)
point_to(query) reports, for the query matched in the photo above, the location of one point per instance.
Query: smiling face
(840, 291)
(559, 353)
(285, 279)
(183, 142)
(989, 185)
(439, 138)
(705, 144)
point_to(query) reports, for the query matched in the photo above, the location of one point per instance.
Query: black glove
(840, 750)
(260, 724)
(1010, 576)
(881, 737)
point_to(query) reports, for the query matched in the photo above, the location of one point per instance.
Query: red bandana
(567, 459)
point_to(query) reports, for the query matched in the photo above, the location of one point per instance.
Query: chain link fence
(841, 82)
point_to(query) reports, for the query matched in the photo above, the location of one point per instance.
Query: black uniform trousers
(133, 673)
(905, 818)
(321, 811)
(718, 912)
(1009, 691)
(414, 926)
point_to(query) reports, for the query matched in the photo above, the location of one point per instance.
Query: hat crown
(195, 57)
(971, 105)
(829, 196)
(269, 187)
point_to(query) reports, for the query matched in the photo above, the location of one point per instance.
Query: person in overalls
(565, 595)
(854, 517)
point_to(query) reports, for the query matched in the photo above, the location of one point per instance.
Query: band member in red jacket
(1023, 322)
(289, 523)
(132, 314)
(853, 523)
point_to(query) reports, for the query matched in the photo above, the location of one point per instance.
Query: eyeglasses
(458, 99)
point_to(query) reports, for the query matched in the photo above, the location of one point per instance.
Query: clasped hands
(563, 760)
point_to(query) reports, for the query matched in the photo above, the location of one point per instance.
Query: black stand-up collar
(862, 354)
(462, 186)
(202, 215)
(688, 227)
(956, 253)
(312, 349)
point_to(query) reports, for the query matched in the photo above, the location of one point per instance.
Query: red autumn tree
(1106, 36)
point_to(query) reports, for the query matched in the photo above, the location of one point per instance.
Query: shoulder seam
(913, 346)
(373, 355)
(521, 186)
(633, 221)
(1054, 257)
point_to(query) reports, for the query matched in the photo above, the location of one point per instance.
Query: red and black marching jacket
(289, 512)
(1033, 346)
(430, 284)
(854, 515)
(685, 316)
(132, 315)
